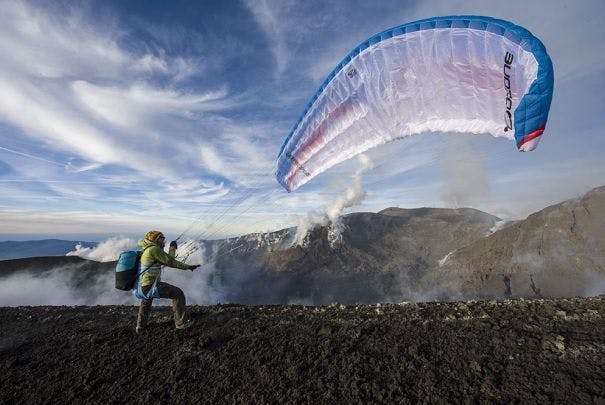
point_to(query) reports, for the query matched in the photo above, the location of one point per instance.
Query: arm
(167, 259)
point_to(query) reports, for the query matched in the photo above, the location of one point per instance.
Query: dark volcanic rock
(40, 265)
(509, 351)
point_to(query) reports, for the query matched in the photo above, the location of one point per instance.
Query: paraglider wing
(446, 74)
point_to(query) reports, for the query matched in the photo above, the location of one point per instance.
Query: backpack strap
(139, 291)
(140, 273)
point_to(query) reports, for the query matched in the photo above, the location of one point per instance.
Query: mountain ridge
(418, 254)
(42, 247)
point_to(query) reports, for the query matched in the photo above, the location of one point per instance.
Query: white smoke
(106, 251)
(352, 196)
(199, 286)
(596, 284)
(55, 287)
(497, 226)
(466, 181)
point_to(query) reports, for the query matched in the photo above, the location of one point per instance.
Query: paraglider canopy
(445, 74)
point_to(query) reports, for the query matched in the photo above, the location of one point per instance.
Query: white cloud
(106, 251)
(245, 154)
(212, 160)
(134, 108)
(64, 42)
(45, 119)
(70, 86)
(102, 123)
(29, 156)
(271, 21)
(17, 221)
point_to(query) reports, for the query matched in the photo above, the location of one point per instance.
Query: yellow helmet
(153, 236)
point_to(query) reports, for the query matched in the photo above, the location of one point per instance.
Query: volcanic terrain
(531, 351)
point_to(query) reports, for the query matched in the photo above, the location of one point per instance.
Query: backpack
(127, 269)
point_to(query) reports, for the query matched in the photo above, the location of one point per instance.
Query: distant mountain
(369, 257)
(33, 248)
(390, 256)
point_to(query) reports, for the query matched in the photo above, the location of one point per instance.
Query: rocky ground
(498, 351)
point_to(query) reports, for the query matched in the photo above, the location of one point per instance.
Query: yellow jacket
(152, 252)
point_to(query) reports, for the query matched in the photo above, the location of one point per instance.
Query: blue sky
(119, 117)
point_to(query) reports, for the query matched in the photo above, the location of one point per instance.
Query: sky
(117, 117)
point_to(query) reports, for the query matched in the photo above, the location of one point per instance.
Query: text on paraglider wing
(297, 164)
(508, 116)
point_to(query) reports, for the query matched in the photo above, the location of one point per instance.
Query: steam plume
(466, 179)
(352, 196)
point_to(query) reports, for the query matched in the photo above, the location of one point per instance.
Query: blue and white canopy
(445, 74)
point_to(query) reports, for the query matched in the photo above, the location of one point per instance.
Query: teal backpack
(127, 269)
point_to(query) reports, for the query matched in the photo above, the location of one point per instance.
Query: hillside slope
(558, 251)
(377, 257)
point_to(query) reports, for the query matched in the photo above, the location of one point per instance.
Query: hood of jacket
(145, 243)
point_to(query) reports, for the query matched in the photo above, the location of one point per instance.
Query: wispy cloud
(109, 116)
(70, 85)
(43, 60)
(270, 18)
(135, 107)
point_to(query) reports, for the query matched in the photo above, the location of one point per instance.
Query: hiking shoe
(184, 325)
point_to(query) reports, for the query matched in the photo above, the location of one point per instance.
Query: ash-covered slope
(543, 351)
(558, 251)
(371, 258)
(424, 254)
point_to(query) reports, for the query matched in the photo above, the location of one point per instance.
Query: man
(151, 286)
